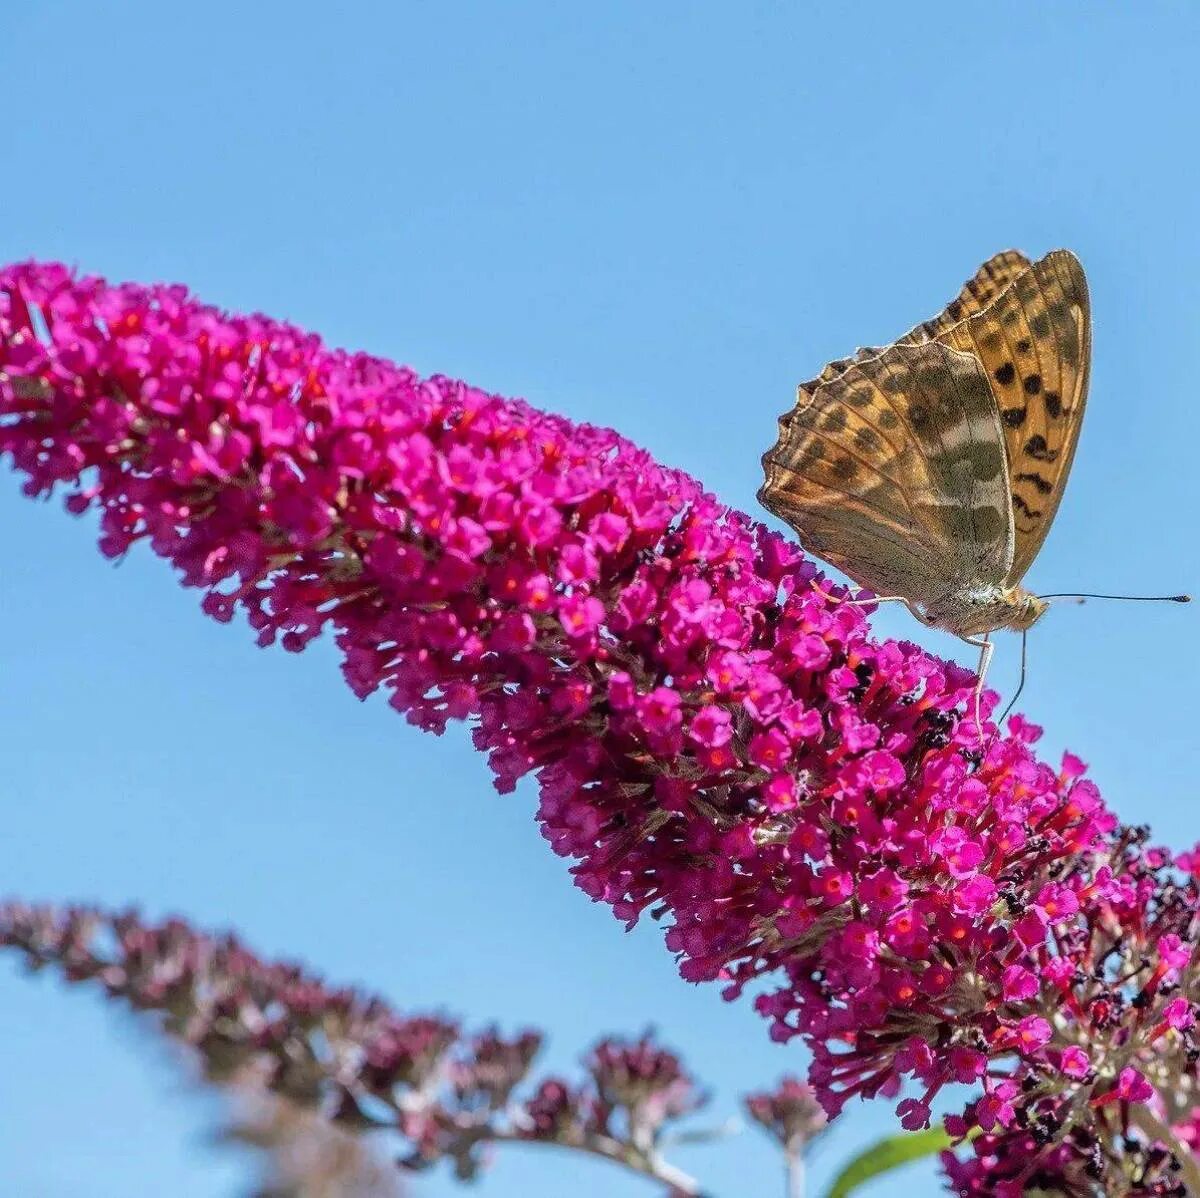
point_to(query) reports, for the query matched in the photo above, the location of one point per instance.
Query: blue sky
(657, 217)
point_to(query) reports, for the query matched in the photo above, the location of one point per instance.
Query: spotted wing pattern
(1034, 342)
(977, 292)
(894, 471)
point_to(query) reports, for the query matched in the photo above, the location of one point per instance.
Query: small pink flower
(577, 563)
(609, 531)
(622, 693)
(1178, 1014)
(1019, 984)
(1132, 1086)
(914, 1115)
(764, 694)
(967, 1064)
(994, 1110)
(770, 749)
(834, 886)
(883, 772)
(728, 672)
(779, 793)
(581, 615)
(975, 896)
(711, 727)
(809, 652)
(884, 890)
(800, 722)
(537, 593)
(1057, 903)
(962, 854)
(1033, 1033)
(1173, 955)
(661, 710)
(1075, 1063)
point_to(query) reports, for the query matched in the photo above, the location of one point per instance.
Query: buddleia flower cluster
(715, 737)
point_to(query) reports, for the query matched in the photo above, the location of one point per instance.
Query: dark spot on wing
(1053, 405)
(859, 397)
(1013, 417)
(812, 453)
(1039, 325)
(1005, 374)
(867, 439)
(1022, 506)
(845, 468)
(887, 420)
(1036, 447)
(1024, 345)
(1033, 384)
(1026, 289)
(1038, 481)
(834, 420)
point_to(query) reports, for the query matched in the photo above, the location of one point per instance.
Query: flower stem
(646, 1165)
(797, 1182)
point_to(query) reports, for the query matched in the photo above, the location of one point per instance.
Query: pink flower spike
(713, 739)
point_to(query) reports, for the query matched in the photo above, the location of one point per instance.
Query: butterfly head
(1027, 609)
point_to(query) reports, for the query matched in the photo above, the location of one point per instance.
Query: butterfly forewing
(977, 292)
(1034, 343)
(894, 471)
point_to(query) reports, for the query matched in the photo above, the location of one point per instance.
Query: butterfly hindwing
(1034, 342)
(895, 471)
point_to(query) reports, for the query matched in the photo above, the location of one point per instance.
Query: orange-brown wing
(895, 472)
(977, 292)
(1034, 341)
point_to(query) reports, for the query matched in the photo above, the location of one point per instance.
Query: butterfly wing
(977, 292)
(1034, 341)
(895, 472)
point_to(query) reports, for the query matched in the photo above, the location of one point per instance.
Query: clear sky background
(658, 217)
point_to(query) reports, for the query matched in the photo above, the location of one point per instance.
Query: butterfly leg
(986, 648)
(860, 602)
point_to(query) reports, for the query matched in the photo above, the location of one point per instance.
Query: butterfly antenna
(1129, 598)
(1020, 685)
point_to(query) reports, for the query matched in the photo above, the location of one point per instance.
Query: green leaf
(889, 1153)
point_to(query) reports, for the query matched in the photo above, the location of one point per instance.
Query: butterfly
(930, 471)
